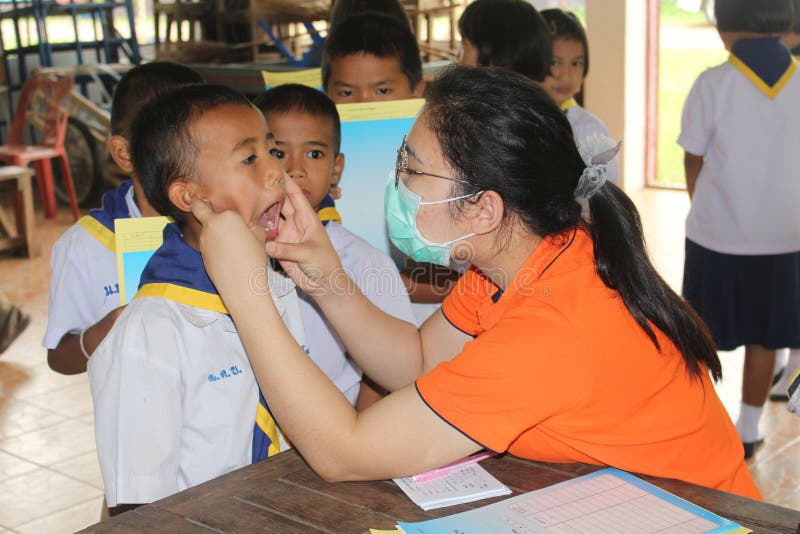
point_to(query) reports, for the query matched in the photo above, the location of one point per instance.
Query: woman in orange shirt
(560, 344)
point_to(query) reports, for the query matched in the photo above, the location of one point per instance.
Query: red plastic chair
(44, 102)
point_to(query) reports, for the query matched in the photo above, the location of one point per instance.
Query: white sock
(747, 424)
(781, 357)
(792, 363)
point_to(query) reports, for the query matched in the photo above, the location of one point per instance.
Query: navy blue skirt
(745, 300)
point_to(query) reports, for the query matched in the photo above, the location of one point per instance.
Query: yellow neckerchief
(568, 103)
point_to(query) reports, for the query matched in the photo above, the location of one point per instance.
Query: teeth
(270, 225)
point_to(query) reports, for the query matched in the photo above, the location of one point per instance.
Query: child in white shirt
(84, 287)
(176, 401)
(305, 137)
(568, 69)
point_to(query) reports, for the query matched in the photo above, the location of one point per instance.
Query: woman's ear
(181, 193)
(487, 213)
(120, 152)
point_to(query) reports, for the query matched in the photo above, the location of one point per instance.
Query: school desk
(283, 494)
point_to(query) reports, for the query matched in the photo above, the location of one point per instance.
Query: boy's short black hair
(509, 34)
(757, 16)
(375, 34)
(565, 25)
(343, 9)
(796, 28)
(140, 85)
(302, 99)
(162, 147)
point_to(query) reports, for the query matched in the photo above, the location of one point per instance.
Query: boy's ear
(419, 89)
(181, 193)
(338, 169)
(120, 151)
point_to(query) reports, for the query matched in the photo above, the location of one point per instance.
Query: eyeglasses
(401, 167)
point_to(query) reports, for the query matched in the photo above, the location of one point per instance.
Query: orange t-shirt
(559, 371)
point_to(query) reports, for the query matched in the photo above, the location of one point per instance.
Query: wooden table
(283, 494)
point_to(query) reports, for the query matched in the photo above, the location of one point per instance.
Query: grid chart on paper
(607, 504)
(143, 240)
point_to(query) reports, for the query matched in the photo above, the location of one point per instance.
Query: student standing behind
(505, 33)
(792, 40)
(175, 400)
(84, 287)
(371, 57)
(305, 134)
(740, 128)
(568, 69)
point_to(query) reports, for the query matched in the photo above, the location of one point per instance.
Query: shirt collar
(115, 204)
(327, 211)
(568, 103)
(765, 61)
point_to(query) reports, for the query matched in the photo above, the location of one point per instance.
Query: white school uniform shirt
(745, 201)
(84, 285)
(175, 397)
(377, 277)
(586, 124)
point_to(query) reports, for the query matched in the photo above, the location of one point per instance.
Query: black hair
(162, 147)
(375, 34)
(565, 25)
(343, 9)
(762, 16)
(500, 133)
(140, 85)
(303, 99)
(510, 34)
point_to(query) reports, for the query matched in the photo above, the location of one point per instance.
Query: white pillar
(615, 88)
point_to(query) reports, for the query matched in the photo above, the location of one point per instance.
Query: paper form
(607, 501)
(137, 240)
(467, 484)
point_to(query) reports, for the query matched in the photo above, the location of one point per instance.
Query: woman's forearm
(387, 349)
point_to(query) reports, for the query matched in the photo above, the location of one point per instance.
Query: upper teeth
(270, 225)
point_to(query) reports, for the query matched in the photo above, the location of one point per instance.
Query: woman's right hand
(303, 248)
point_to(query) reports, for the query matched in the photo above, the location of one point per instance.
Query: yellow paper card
(137, 239)
(309, 77)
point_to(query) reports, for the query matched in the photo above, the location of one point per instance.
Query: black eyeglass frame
(401, 166)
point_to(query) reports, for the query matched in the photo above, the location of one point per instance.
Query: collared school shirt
(84, 285)
(585, 124)
(175, 397)
(748, 131)
(559, 371)
(377, 277)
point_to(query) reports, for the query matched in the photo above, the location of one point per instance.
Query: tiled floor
(49, 477)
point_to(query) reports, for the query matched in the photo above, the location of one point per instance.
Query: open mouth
(269, 220)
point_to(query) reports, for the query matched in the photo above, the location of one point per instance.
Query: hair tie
(597, 150)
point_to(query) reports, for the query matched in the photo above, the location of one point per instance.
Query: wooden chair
(18, 234)
(195, 12)
(43, 102)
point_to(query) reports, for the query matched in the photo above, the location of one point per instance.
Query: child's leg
(759, 364)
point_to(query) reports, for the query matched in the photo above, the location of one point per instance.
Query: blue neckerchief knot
(113, 206)
(327, 211)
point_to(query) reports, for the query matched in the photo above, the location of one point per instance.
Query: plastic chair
(44, 102)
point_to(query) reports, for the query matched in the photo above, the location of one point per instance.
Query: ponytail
(622, 263)
(500, 132)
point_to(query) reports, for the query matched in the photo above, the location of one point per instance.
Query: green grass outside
(678, 70)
